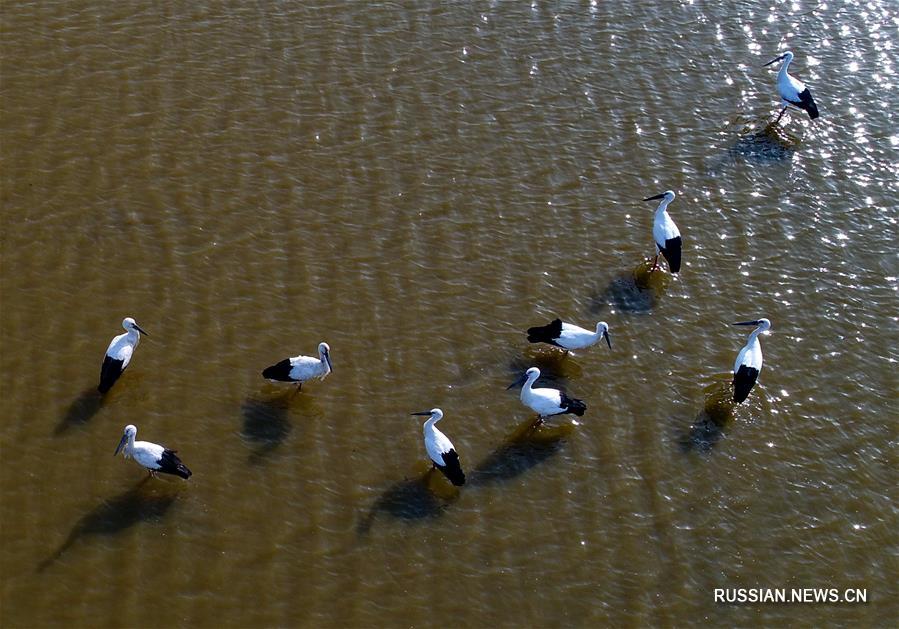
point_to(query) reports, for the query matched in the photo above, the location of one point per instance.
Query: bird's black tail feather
(744, 380)
(279, 371)
(672, 253)
(171, 464)
(453, 468)
(545, 333)
(109, 373)
(808, 104)
(572, 405)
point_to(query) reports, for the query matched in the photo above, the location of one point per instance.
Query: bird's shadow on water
(710, 423)
(265, 423)
(555, 365)
(760, 141)
(422, 497)
(145, 502)
(529, 445)
(80, 411)
(634, 291)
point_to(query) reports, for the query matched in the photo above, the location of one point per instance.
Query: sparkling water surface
(417, 185)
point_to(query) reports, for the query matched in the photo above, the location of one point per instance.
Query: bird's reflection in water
(555, 365)
(529, 445)
(716, 414)
(637, 290)
(145, 502)
(426, 495)
(80, 411)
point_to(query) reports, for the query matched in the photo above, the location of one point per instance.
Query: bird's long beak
(517, 382)
(747, 323)
(328, 359)
(140, 329)
(121, 444)
(775, 60)
(605, 335)
(422, 413)
(658, 196)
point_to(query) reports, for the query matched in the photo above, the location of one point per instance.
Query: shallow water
(417, 186)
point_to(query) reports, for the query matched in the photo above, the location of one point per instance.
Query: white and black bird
(441, 449)
(152, 456)
(665, 233)
(792, 90)
(749, 361)
(118, 354)
(568, 336)
(546, 402)
(299, 369)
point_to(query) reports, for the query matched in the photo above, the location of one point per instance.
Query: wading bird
(546, 402)
(568, 336)
(665, 233)
(440, 448)
(299, 369)
(792, 90)
(152, 456)
(118, 354)
(749, 361)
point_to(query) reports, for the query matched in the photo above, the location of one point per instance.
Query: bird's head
(130, 324)
(602, 328)
(434, 413)
(531, 374)
(129, 433)
(324, 353)
(762, 324)
(787, 56)
(666, 197)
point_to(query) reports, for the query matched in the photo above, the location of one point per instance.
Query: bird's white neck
(754, 335)
(783, 68)
(663, 207)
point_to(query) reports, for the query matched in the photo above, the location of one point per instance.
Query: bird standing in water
(152, 456)
(568, 336)
(544, 401)
(118, 354)
(665, 233)
(749, 361)
(792, 91)
(299, 369)
(440, 449)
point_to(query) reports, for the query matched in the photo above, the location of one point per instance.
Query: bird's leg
(782, 112)
(655, 263)
(297, 390)
(153, 473)
(538, 421)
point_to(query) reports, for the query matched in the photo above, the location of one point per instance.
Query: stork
(299, 369)
(749, 360)
(152, 456)
(118, 354)
(665, 233)
(792, 91)
(567, 335)
(441, 449)
(546, 402)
